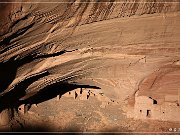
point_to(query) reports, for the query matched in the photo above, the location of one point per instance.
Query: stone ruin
(148, 108)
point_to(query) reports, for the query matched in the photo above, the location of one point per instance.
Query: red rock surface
(116, 48)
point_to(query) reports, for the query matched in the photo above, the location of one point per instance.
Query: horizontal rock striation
(114, 45)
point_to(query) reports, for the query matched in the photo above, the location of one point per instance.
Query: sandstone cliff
(120, 47)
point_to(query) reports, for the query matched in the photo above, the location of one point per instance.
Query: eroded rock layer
(119, 46)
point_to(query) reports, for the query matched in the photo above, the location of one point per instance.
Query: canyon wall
(120, 47)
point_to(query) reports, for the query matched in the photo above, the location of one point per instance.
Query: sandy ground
(77, 115)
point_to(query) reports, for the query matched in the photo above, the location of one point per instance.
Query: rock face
(48, 49)
(5, 117)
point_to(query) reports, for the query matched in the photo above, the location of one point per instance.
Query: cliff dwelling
(90, 66)
(148, 108)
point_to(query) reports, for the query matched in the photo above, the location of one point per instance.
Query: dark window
(148, 113)
(154, 102)
(81, 91)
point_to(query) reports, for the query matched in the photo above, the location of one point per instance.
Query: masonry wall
(145, 108)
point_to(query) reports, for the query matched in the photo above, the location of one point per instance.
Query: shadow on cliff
(52, 91)
(45, 94)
